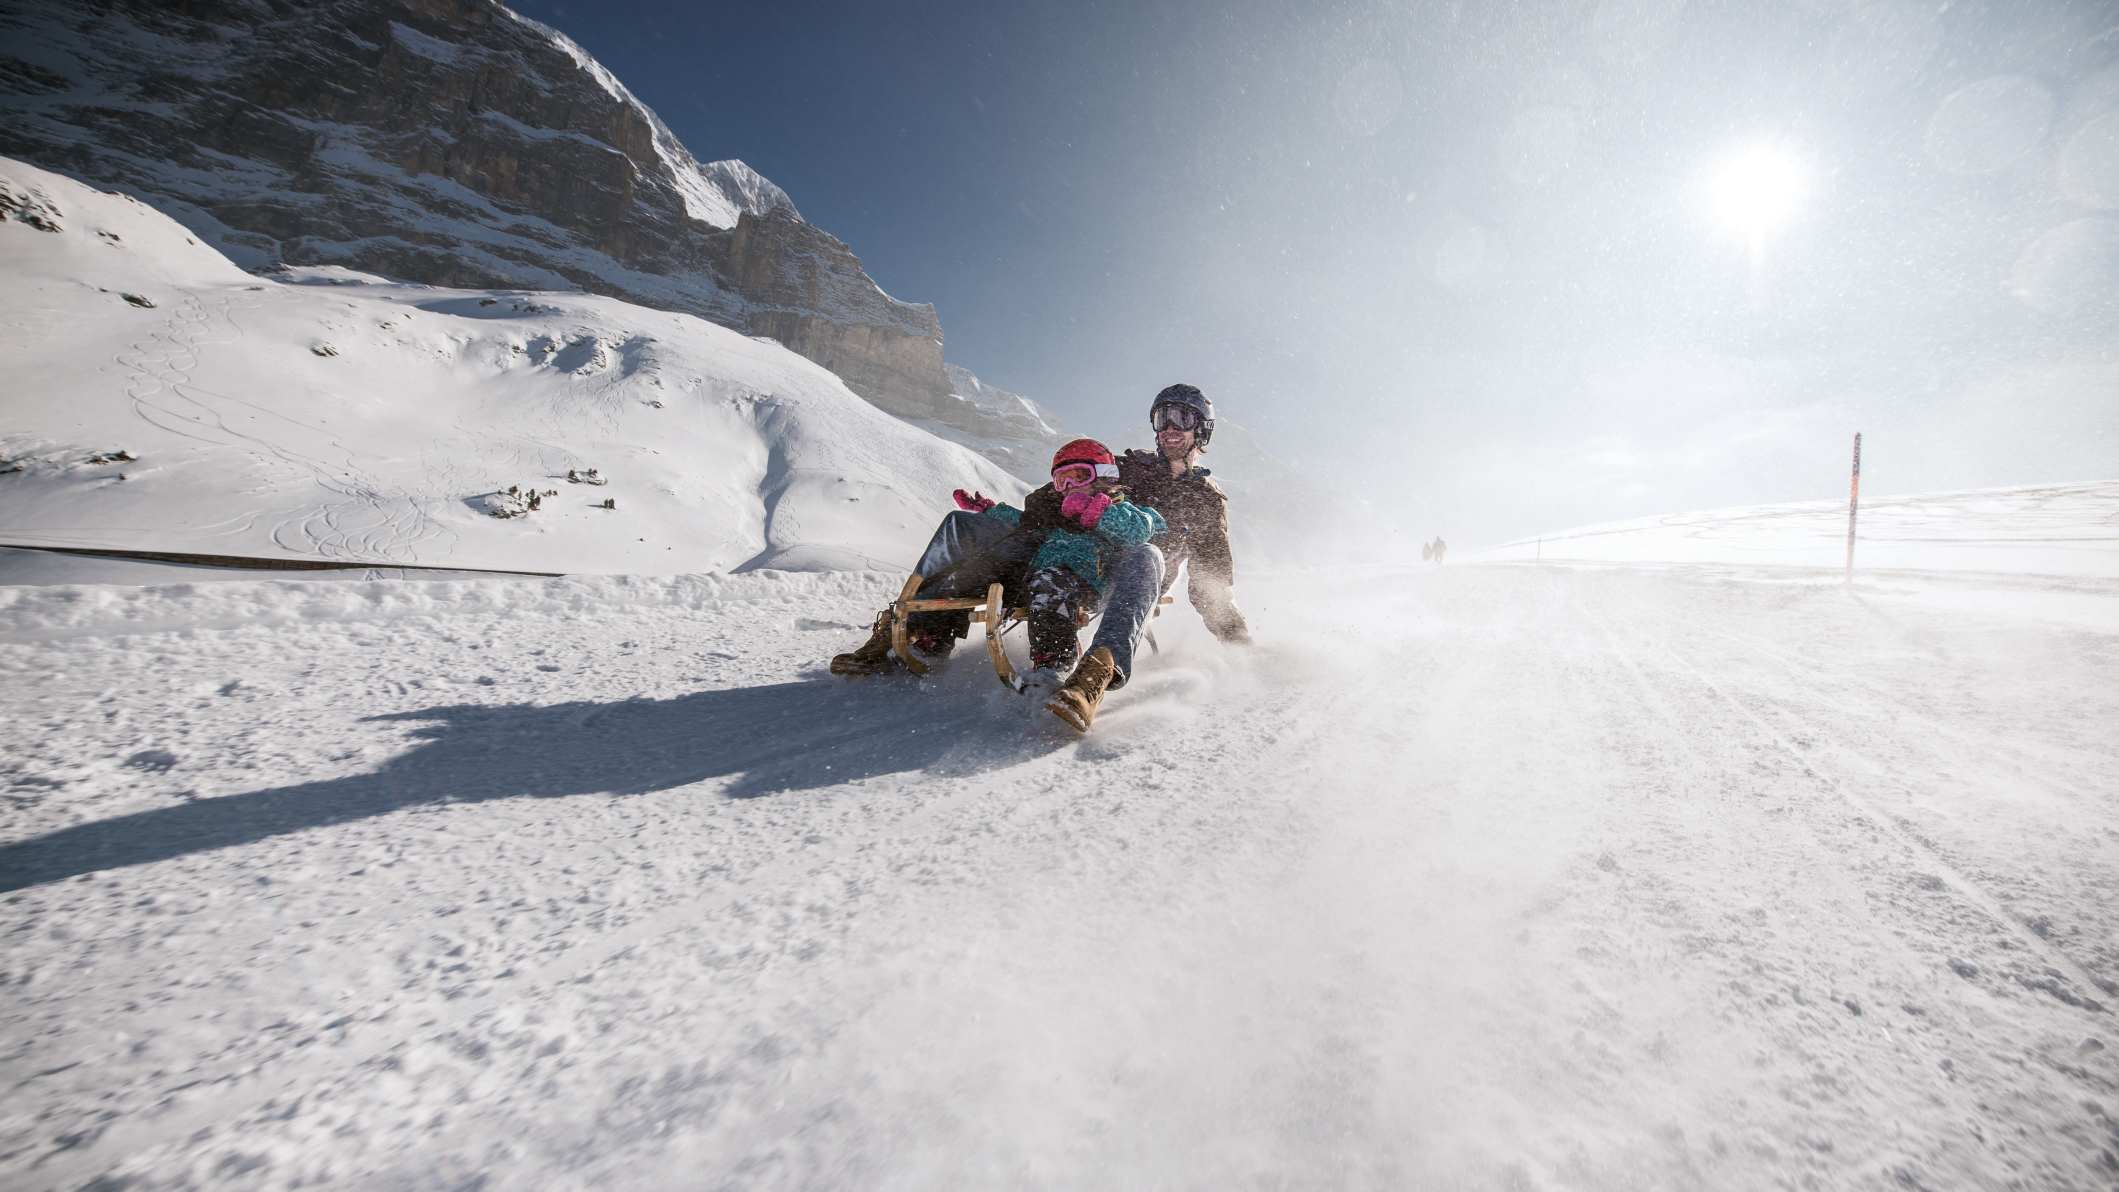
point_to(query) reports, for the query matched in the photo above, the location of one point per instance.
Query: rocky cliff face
(796, 279)
(450, 142)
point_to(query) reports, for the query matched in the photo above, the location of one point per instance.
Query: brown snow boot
(872, 656)
(1077, 699)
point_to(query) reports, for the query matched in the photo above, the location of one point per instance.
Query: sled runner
(991, 610)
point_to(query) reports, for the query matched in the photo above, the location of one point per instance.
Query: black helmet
(1189, 397)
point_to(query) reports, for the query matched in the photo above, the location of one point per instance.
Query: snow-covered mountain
(1005, 427)
(717, 193)
(448, 142)
(161, 398)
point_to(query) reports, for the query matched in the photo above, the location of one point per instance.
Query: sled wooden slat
(952, 604)
(899, 641)
(988, 609)
(995, 618)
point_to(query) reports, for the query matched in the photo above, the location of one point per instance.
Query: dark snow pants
(968, 552)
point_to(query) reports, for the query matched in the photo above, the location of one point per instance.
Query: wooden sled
(990, 610)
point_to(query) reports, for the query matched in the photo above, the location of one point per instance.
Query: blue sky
(1474, 254)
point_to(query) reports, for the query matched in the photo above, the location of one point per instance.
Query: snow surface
(1544, 878)
(326, 414)
(2048, 529)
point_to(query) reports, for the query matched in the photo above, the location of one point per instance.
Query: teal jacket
(1087, 553)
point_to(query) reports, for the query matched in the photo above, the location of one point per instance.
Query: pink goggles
(1067, 477)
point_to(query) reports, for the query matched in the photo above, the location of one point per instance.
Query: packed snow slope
(2045, 529)
(159, 398)
(1491, 877)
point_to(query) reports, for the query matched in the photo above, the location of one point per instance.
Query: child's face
(1068, 477)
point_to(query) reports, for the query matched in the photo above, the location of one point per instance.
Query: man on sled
(973, 549)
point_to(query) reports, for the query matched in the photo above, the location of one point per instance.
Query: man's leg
(950, 565)
(967, 553)
(1136, 584)
(961, 535)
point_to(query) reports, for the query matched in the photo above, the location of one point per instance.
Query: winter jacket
(1087, 553)
(1198, 515)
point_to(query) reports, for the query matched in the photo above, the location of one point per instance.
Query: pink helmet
(1087, 451)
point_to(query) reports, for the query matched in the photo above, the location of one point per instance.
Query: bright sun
(1755, 192)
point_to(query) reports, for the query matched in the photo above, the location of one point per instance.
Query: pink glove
(973, 501)
(1085, 507)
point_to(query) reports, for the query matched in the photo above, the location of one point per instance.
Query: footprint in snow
(154, 761)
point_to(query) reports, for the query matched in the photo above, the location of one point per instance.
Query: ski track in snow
(359, 519)
(1480, 877)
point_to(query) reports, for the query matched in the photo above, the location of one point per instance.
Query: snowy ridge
(716, 193)
(163, 399)
(744, 188)
(1005, 427)
(998, 403)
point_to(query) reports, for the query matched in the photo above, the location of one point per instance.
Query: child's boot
(1077, 700)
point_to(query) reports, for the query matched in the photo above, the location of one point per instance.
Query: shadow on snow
(773, 739)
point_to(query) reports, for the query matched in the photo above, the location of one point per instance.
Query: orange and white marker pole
(1853, 505)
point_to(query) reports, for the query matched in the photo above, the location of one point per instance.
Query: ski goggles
(1171, 416)
(1072, 476)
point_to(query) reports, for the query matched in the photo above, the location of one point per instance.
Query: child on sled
(1056, 553)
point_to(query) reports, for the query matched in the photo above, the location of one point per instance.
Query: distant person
(1168, 481)
(1441, 549)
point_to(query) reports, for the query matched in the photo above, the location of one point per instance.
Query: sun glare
(1755, 192)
